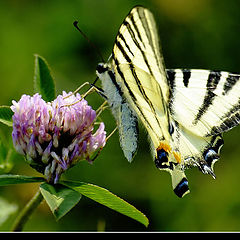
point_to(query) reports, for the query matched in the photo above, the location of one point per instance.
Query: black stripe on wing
(230, 120)
(186, 76)
(231, 80)
(171, 77)
(123, 39)
(212, 82)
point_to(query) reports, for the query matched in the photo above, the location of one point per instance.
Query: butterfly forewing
(140, 71)
(205, 102)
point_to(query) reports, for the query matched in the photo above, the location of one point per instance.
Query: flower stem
(27, 211)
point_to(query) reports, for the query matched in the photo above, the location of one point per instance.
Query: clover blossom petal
(54, 136)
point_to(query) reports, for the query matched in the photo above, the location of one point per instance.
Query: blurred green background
(194, 34)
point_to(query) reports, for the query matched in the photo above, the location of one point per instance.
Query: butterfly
(184, 111)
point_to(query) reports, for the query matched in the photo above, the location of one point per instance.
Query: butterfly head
(104, 72)
(101, 68)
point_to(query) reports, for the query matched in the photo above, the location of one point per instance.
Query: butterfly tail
(179, 183)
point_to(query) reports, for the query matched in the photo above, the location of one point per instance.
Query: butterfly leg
(78, 89)
(101, 109)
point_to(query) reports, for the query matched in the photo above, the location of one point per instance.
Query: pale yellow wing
(140, 72)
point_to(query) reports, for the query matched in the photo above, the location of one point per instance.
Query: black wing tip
(182, 188)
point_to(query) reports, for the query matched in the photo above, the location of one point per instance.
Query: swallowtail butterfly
(184, 111)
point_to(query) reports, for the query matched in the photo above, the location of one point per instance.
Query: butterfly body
(184, 111)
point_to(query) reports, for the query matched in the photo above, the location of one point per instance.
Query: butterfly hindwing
(194, 150)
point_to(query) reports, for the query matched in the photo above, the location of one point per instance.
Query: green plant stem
(27, 211)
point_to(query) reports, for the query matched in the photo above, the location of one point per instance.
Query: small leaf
(43, 81)
(59, 198)
(7, 179)
(107, 199)
(6, 115)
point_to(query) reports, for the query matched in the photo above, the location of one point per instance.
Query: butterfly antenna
(75, 24)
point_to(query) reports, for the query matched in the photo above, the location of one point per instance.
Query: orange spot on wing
(167, 148)
(164, 146)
